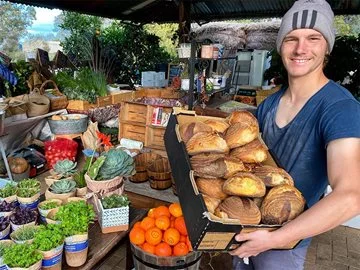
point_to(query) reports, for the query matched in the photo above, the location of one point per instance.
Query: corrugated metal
(167, 10)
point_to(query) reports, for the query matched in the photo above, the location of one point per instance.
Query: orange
(171, 236)
(137, 236)
(180, 249)
(153, 236)
(162, 222)
(137, 224)
(180, 225)
(182, 238)
(163, 249)
(151, 213)
(188, 243)
(161, 210)
(175, 209)
(147, 223)
(148, 248)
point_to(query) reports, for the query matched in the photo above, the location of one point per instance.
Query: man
(312, 127)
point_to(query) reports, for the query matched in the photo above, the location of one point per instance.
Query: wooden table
(100, 244)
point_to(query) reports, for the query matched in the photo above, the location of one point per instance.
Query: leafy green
(27, 192)
(115, 201)
(49, 205)
(4, 245)
(23, 255)
(49, 237)
(8, 190)
(25, 233)
(75, 217)
(29, 183)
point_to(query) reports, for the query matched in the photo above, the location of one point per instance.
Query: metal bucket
(70, 126)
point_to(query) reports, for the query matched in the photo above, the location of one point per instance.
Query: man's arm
(343, 203)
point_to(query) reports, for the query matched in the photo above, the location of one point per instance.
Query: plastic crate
(114, 219)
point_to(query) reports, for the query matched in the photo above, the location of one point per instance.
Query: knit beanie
(311, 14)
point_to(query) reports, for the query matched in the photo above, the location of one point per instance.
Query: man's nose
(301, 46)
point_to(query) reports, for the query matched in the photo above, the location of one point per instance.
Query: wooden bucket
(146, 261)
(159, 173)
(141, 163)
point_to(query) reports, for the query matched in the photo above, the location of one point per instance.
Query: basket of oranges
(160, 239)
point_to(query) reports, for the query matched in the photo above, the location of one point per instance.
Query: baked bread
(233, 166)
(211, 187)
(273, 176)
(281, 204)
(242, 117)
(211, 203)
(188, 130)
(204, 142)
(240, 134)
(243, 209)
(244, 184)
(219, 126)
(252, 152)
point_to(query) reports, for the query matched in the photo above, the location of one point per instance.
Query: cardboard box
(206, 231)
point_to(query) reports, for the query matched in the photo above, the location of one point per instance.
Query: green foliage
(117, 163)
(23, 255)
(65, 167)
(3, 246)
(27, 192)
(25, 233)
(79, 178)
(14, 20)
(8, 190)
(48, 237)
(75, 217)
(63, 186)
(22, 70)
(49, 205)
(29, 183)
(94, 168)
(115, 201)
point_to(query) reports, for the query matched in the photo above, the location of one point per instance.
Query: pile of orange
(162, 232)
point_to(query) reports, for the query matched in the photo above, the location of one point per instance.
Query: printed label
(31, 206)
(4, 267)
(77, 246)
(52, 261)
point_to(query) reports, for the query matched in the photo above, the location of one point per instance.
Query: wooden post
(184, 21)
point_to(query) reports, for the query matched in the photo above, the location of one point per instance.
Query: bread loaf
(244, 184)
(242, 117)
(188, 130)
(273, 176)
(243, 209)
(253, 152)
(206, 143)
(211, 187)
(218, 126)
(240, 134)
(281, 204)
(211, 203)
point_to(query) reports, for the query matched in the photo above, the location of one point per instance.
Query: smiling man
(312, 127)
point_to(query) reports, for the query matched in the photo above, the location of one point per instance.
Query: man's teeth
(300, 60)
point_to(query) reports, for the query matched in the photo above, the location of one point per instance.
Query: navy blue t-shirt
(300, 146)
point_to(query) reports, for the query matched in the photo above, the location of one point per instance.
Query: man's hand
(254, 243)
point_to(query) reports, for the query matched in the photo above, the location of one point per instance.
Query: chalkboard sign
(173, 71)
(62, 61)
(43, 58)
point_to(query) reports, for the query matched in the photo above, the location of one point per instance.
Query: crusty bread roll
(233, 166)
(281, 204)
(188, 130)
(244, 184)
(211, 203)
(203, 142)
(219, 126)
(273, 176)
(243, 209)
(240, 134)
(211, 187)
(242, 117)
(252, 152)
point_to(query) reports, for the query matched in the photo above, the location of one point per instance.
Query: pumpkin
(18, 164)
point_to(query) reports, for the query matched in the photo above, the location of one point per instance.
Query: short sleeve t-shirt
(300, 146)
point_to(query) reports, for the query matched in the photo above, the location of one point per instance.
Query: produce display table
(100, 244)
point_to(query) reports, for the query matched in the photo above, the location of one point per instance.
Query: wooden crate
(119, 97)
(133, 112)
(104, 101)
(155, 137)
(82, 105)
(150, 112)
(131, 131)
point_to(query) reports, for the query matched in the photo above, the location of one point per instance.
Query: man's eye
(289, 39)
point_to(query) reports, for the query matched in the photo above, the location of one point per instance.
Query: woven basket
(57, 99)
(17, 106)
(37, 104)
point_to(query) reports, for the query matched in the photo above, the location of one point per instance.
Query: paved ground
(338, 249)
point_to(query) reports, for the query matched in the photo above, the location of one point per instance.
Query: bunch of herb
(23, 255)
(29, 183)
(23, 216)
(48, 237)
(49, 205)
(115, 201)
(8, 190)
(25, 233)
(75, 217)
(4, 245)
(27, 192)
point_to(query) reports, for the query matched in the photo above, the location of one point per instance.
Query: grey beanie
(312, 14)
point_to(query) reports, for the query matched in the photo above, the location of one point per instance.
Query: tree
(14, 19)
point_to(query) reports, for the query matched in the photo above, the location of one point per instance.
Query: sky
(44, 22)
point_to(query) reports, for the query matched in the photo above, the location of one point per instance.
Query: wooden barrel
(146, 261)
(141, 162)
(159, 173)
